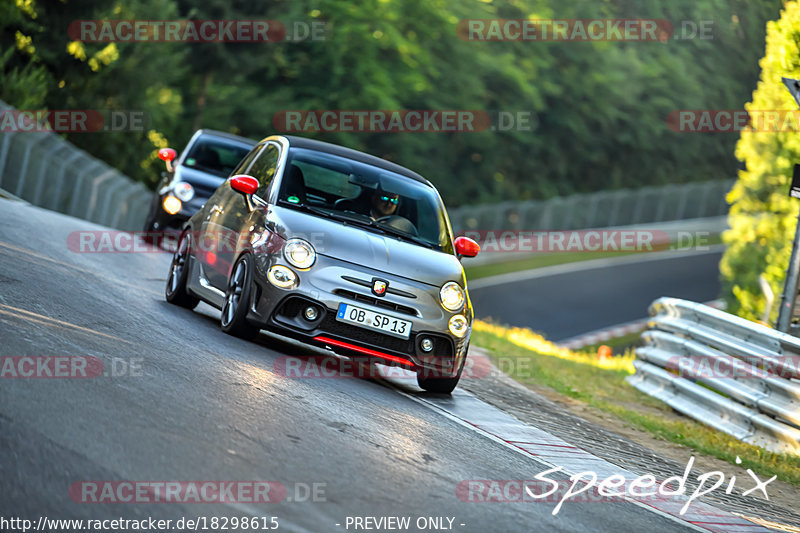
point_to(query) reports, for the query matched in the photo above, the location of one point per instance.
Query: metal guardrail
(47, 171)
(604, 209)
(732, 374)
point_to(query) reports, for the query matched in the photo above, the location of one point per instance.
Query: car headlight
(184, 191)
(299, 253)
(458, 325)
(282, 277)
(452, 296)
(171, 204)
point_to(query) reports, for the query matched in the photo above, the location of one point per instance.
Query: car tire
(175, 290)
(440, 385)
(233, 320)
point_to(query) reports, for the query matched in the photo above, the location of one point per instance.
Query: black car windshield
(216, 156)
(366, 195)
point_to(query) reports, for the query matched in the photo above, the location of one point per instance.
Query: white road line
(29, 316)
(579, 266)
(611, 332)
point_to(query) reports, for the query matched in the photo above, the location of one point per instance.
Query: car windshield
(215, 156)
(362, 194)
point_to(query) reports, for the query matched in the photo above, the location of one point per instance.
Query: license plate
(374, 321)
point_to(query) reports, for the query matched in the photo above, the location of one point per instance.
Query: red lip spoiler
(366, 351)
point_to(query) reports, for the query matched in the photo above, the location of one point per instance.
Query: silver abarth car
(336, 248)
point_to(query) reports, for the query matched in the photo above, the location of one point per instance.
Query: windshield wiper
(402, 234)
(309, 209)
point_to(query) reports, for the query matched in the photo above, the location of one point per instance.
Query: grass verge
(600, 383)
(618, 345)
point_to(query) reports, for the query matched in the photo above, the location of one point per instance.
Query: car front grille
(378, 302)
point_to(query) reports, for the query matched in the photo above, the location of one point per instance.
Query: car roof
(229, 136)
(355, 155)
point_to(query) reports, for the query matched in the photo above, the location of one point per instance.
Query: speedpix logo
(588, 487)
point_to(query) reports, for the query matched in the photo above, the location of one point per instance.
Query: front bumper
(326, 285)
(163, 221)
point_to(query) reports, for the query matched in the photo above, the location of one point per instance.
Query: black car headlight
(183, 191)
(299, 253)
(171, 204)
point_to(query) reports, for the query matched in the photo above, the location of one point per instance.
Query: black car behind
(205, 163)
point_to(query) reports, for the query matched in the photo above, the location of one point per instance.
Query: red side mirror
(167, 154)
(467, 247)
(244, 184)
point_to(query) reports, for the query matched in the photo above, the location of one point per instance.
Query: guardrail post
(82, 179)
(94, 194)
(60, 180)
(106, 201)
(615, 208)
(40, 182)
(23, 173)
(790, 287)
(4, 152)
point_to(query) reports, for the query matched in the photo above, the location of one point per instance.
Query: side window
(263, 168)
(242, 166)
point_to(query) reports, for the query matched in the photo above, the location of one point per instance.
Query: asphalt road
(190, 403)
(569, 300)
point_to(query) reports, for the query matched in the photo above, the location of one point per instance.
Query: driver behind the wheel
(383, 204)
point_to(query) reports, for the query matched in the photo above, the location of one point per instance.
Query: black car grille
(378, 302)
(366, 337)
